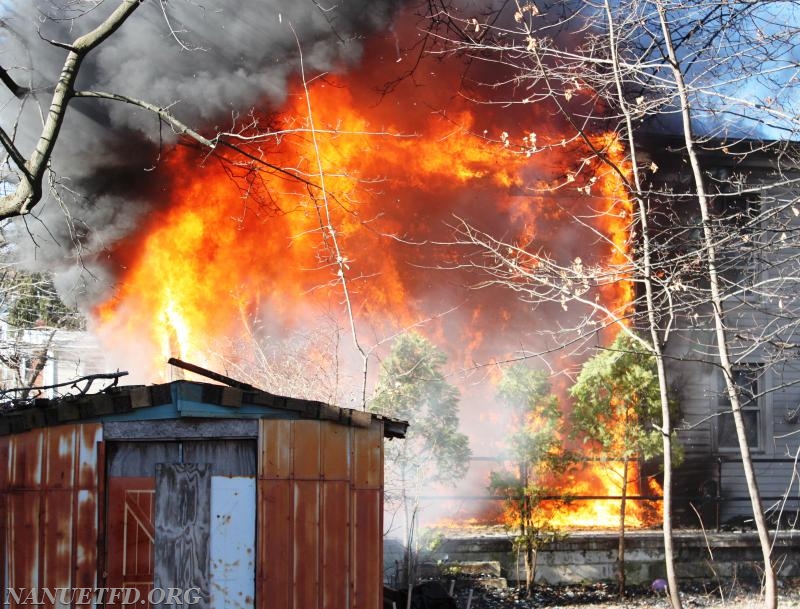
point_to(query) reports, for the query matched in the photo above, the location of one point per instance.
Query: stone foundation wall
(591, 557)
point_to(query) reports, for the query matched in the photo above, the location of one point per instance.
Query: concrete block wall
(590, 557)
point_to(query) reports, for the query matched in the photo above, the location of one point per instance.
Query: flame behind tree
(537, 456)
(616, 410)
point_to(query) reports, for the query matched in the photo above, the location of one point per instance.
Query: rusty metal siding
(306, 443)
(334, 555)
(49, 484)
(275, 449)
(57, 538)
(4, 508)
(306, 540)
(336, 451)
(320, 515)
(368, 457)
(22, 532)
(367, 575)
(275, 560)
(25, 458)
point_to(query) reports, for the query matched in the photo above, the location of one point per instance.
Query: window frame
(760, 403)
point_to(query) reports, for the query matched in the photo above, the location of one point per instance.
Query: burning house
(248, 498)
(752, 188)
(753, 194)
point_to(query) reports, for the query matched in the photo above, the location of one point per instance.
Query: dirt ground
(603, 597)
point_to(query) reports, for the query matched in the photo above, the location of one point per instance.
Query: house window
(748, 379)
(738, 242)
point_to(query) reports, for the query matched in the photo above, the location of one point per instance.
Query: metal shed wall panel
(50, 482)
(320, 513)
(275, 561)
(232, 542)
(275, 449)
(335, 556)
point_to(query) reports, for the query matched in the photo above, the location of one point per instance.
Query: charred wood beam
(220, 378)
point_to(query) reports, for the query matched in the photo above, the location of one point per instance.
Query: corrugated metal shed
(79, 488)
(49, 489)
(323, 486)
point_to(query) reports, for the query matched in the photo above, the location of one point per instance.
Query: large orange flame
(233, 245)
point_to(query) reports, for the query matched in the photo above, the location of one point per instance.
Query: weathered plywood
(182, 526)
(232, 542)
(229, 457)
(165, 429)
(139, 459)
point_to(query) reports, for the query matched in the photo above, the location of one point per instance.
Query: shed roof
(182, 399)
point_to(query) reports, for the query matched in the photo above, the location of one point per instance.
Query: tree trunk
(621, 545)
(646, 278)
(770, 587)
(525, 526)
(530, 562)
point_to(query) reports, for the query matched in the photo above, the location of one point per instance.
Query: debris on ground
(470, 593)
(427, 595)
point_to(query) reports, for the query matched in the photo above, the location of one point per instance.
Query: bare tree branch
(18, 90)
(28, 191)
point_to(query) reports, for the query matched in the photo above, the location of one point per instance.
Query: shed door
(133, 524)
(131, 533)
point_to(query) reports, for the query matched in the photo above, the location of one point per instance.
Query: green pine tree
(412, 386)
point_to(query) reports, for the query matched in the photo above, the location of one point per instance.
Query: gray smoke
(209, 61)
